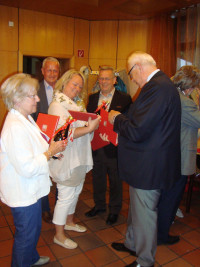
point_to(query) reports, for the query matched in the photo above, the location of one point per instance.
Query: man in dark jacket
(148, 153)
(105, 159)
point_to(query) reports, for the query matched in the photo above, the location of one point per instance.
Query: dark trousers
(45, 204)
(103, 166)
(28, 222)
(168, 205)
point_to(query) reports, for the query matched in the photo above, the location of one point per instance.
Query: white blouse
(78, 152)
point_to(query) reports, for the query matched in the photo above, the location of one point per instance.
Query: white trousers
(66, 203)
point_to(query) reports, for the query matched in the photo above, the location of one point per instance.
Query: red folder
(105, 127)
(82, 116)
(97, 142)
(47, 123)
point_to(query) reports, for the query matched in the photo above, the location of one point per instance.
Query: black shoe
(94, 211)
(172, 239)
(47, 216)
(121, 247)
(112, 218)
(135, 264)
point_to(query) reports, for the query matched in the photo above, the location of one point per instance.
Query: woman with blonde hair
(69, 174)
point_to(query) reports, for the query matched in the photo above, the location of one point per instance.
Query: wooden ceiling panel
(102, 9)
(146, 8)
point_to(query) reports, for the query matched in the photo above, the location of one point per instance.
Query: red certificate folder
(47, 123)
(82, 116)
(97, 142)
(105, 127)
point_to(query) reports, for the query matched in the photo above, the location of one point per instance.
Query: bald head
(140, 65)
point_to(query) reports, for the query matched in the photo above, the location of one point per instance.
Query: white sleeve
(24, 151)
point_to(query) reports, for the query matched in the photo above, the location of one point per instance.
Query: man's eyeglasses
(131, 69)
(101, 79)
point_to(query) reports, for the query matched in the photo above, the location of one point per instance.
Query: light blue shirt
(107, 98)
(49, 92)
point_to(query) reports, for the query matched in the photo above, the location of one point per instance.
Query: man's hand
(104, 137)
(111, 116)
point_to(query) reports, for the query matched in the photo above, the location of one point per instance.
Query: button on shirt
(49, 92)
(107, 98)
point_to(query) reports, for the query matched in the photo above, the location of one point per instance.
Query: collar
(109, 94)
(65, 101)
(152, 74)
(47, 86)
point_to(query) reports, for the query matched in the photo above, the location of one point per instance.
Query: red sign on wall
(80, 53)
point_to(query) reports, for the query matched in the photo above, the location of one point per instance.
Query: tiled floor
(95, 245)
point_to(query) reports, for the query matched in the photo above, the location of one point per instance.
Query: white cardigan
(24, 171)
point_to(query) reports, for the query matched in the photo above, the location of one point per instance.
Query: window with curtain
(187, 41)
(174, 41)
(162, 42)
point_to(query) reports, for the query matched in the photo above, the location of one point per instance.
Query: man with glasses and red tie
(148, 153)
(105, 158)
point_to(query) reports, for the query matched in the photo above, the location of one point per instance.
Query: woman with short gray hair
(24, 172)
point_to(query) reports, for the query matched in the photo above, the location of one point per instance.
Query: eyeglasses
(32, 96)
(131, 69)
(101, 79)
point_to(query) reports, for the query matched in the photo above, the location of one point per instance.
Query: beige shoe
(76, 228)
(68, 243)
(42, 260)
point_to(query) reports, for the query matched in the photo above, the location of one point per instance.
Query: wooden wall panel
(60, 34)
(8, 63)
(8, 35)
(81, 42)
(103, 47)
(103, 39)
(8, 67)
(132, 36)
(32, 31)
(45, 34)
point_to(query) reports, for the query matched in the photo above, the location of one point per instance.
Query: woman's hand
(93, 124)
(55, 147)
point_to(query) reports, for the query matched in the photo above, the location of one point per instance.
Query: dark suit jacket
(42, 106)
(149, 136)
(120, 102)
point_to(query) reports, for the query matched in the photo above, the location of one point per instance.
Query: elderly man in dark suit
(105, 159)
(148, 153)
(50, 70)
